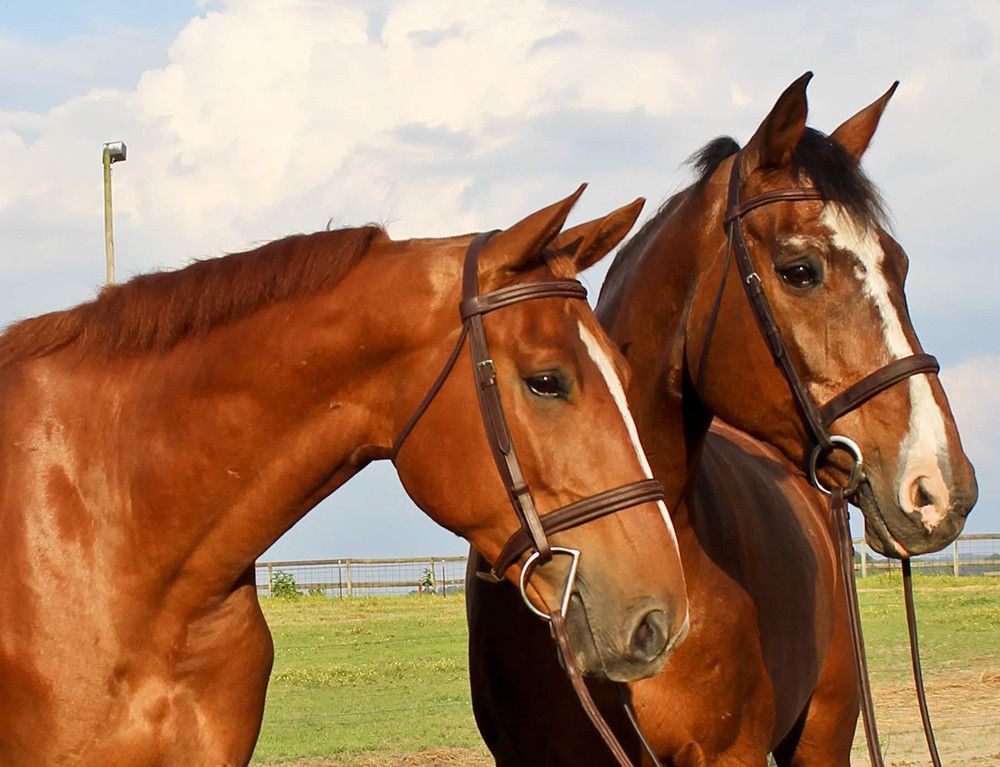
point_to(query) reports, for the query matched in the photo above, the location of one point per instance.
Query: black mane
(830, 168)
(821, 159)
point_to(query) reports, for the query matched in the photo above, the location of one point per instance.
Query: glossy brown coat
(159, 439)
(767, 665)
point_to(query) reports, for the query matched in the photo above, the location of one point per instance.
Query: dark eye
(546, 385)
(800, 275)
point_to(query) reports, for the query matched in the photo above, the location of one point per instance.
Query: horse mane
(830, 168)
(153, 312)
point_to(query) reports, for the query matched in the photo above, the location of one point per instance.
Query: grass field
(382, 681)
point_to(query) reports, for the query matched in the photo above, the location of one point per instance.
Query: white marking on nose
(603, 362)
(925, 445)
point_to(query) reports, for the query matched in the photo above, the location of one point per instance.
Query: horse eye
(546, 385)
(800, 275)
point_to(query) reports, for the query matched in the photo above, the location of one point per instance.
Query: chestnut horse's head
(560, 386)
(835, 278)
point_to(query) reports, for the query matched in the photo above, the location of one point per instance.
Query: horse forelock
(153, 312)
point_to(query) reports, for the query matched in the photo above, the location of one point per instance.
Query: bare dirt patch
(965, 712)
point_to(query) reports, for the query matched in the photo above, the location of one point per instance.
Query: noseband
(818, 419)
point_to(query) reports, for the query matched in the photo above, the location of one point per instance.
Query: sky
(247, 120)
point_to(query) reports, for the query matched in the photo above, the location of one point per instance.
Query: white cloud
(266, 117)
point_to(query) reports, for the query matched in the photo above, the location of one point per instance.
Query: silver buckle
(529, 566)
(857, 471)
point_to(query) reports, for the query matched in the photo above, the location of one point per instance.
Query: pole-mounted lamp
(114, 151)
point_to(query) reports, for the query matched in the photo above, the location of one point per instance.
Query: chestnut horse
(159, 439)
(767, 665)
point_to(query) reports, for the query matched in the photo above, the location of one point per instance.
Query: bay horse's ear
(855, 134)
(588, 243)
(524, 242)
(776, 138)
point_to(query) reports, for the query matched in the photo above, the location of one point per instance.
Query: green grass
(958, 620)
(388, 674)
(366, 675)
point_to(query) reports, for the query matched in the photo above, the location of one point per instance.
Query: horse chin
(877, 532)
(893, 533)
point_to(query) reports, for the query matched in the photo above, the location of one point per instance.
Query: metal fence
(973, 554)
(976, 554)
(353, 577)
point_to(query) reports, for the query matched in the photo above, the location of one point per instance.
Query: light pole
(114, 151)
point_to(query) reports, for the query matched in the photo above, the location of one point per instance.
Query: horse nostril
(919, 495)
(649, 640)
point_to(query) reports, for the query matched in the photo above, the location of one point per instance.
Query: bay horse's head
(834, 277)
(559, 381)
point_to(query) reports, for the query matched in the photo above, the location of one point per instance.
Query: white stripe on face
(925, 439)
(603, 362)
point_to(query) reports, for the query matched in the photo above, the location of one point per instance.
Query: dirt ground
(965, 711)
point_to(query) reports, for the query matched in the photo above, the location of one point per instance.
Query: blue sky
(250, 119)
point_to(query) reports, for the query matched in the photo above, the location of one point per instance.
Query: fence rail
(351, 576)
(974, 554)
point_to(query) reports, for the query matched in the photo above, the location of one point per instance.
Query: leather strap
(758, 300)
(918, 676)
(431, 394)
(580, 513)
(558, 627)
(795, 194)
(875, 383)
(498, 435)
(514, 294)
(845, 547)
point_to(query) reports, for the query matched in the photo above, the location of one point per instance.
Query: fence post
(864, 557)
(350, 584)
(340, 578)
(444, 580)
(954, 558)
(270, 579)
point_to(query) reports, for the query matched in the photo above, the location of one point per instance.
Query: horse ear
(589, 243)
(776, 138)
(855, 134)
(524, 242)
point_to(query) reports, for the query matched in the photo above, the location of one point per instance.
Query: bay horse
(767, 666)
(158, 439)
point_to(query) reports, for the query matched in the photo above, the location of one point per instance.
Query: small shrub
(427, 580)
(283, 585)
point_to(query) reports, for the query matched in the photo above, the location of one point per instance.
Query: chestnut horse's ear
(589, 243)
(524, 242)
(855, 134)
(776, 138)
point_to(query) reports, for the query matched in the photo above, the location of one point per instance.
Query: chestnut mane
(153, 312)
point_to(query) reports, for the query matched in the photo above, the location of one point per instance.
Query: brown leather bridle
(818, 419)
(532, 535)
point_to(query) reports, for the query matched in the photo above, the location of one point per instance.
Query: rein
(818, 419)
(532, 535)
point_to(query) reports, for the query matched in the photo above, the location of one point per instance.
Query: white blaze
(601, 359)
(925, 439)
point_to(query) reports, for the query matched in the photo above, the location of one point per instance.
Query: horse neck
(645, 308)
(234, 436)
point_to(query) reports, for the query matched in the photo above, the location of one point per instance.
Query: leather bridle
(534, 531)
(818, 419)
